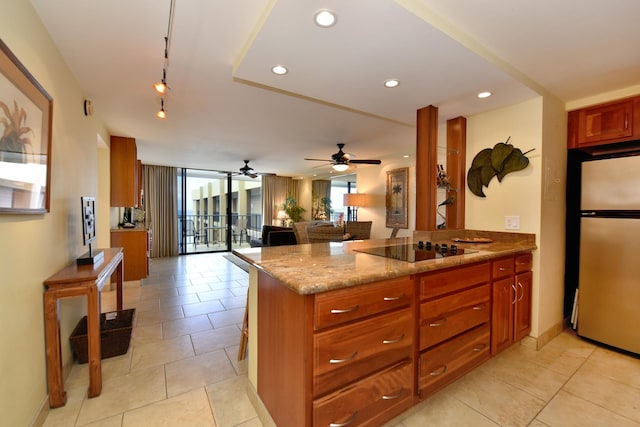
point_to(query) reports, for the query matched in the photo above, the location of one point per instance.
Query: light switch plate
(512, 222)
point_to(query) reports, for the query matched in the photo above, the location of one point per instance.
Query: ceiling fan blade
(366, 162)
(319, 160)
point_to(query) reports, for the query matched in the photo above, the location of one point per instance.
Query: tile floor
(182, 370)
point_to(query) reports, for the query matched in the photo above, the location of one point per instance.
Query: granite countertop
(320, 267)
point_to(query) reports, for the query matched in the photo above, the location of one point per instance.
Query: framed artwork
(397, 198)
(26, 112)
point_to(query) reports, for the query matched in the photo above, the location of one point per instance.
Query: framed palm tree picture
(26, 111)
(397, 198)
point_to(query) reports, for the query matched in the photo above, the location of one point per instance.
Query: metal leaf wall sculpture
(498, 161)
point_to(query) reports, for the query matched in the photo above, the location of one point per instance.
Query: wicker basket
(115, 334)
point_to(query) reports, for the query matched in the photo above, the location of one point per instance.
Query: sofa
(273, 235)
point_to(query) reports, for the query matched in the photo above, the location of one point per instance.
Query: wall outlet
(512, 222)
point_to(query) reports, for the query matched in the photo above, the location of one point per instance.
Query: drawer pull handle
(393, 396)
(346, 423)
(479, 347)
(344, 310)
(393, 298)
(479, 307)
(502, 269)
(393, 341)
(335, 361)
(441, 370)
(439, 322)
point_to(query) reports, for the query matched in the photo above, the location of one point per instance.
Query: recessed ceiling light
(325, 18)
(279, 70)
(391, 82)
(484, 95)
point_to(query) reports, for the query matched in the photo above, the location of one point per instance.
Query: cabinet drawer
(502, 268)
(524, 262)
(446, 317)
(347, 353)
(436, 284)
(344, 305)
(370, 402)
(445, 363)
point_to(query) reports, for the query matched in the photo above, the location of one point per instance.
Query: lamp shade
(358, 200)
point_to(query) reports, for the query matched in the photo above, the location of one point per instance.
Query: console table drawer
(446, 362)
(346, 354)
(369, 402)
(344, 305)
(446, 317)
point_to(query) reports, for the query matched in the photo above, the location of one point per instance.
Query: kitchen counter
(321, 267)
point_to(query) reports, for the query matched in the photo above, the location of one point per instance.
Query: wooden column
(455, 168)
(426, 167)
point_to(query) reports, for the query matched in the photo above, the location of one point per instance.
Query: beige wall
(36, 246)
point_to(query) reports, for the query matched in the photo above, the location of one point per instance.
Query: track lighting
(162, 87)
(161, 114)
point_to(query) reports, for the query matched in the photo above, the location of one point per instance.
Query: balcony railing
(201, 233)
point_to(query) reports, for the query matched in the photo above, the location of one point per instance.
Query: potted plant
(292, 209)
(321, 208)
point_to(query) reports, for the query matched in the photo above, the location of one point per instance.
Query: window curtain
(274, 192)
(160, 185)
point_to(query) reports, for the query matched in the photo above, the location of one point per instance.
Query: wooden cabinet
(124, 172)
(135, 244)
(338, 356)
(454, 324)
(511, 294)
(611, 122)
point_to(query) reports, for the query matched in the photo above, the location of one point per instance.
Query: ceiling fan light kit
(341, 161)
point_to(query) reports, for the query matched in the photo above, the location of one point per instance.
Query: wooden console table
(74, 281)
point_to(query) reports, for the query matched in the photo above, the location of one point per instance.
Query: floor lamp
(355, 201)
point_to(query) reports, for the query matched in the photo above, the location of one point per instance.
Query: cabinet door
(502, 314)
(605, 123)
(123, 157)
(522, 315)
(134, 244)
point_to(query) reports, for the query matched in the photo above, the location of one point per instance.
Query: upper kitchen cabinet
(124, 172)
(608, 123)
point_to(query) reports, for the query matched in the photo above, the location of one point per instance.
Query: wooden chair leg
(244, 334)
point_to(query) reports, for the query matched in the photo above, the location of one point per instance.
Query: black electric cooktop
(416, 252)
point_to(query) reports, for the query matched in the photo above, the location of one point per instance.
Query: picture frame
(88, 211)
(26, 113)
(397, 198)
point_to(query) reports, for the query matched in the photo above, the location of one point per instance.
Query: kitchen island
(339, 336)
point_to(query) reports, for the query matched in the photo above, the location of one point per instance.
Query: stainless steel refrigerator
(609, 272)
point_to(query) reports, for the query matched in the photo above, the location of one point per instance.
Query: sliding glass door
(217, 211)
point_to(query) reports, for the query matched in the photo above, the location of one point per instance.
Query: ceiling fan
(340, 161)
(247, 170)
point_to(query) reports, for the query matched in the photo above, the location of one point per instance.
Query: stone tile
(67, 415)
(230, 403)
(497, 400)
(188, 325)
(137, 389)
(161, 352)
(114, 421)
(444, 410)
(567, 410)
(193, 289)
(604, 390)
(227, 318)
(215, 339)
(190, 409)
(217, 294)
(174, 301)
(202, 308)
(146, 334)
(235, 302)
(198, 371)
(158, 316)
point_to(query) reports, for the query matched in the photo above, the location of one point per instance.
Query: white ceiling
(224, 104)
